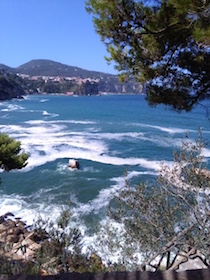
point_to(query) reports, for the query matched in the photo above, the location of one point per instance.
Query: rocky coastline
(49, 77)
(18, 242)
(26, 249)
(10, 86)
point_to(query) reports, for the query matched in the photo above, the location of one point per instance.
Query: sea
(115, 138)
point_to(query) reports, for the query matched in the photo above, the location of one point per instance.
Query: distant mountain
(7, 68)
(44, 67)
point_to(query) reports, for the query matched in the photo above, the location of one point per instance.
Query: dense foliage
(163, 43)
(11, 156)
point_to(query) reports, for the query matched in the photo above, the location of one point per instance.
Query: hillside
(7, 68)
(44, 67)
(10, 86)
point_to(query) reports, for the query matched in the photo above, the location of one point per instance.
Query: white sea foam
(48, 141)
(27, 212)
(170, 130)
(43, 100)
(206, 153)
(30, 213)
(24, 97)
(119, 136)
(105, 195)
(91, 169)
(12, 107)
(33, 122)
(45, 113)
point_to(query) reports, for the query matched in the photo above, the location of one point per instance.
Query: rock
(2, 238)
(8, 214)
(1, 219)
(9, 86)
(10, 224)
(37, 236)
(12, 238)
(20, 223)
(192, 264)
(5, 216)
(73, 163)
(87, 88)
(18, 242)
(3, 228)
(15, 230)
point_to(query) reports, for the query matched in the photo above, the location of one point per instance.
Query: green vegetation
(167, 222)
(11, 156)
(44, 67)
(61, 249)
(163, 43)
(56, 248)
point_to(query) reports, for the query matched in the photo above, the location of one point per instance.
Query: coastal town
(53, 84)
(44, 77)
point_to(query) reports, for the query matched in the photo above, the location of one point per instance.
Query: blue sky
(60, 30)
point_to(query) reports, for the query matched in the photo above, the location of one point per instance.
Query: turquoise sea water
(108, 134)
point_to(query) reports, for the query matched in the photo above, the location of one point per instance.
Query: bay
(110, 136)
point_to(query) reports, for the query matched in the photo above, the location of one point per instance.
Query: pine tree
(11, 156)
(163, 43)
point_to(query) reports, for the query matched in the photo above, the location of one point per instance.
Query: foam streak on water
(109, 135)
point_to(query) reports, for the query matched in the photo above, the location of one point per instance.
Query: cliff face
(10, 86)
(47, 76)
(87, 88)
(43, 76)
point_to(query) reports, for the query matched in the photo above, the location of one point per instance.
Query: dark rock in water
(20, 224)
(8, 214)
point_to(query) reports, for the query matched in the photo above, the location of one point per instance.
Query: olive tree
(165, 222)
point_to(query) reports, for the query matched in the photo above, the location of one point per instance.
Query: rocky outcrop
(19, 245)
(17, 241)
(115, 86)
(87, 88)
(23, 249)
(10, 86)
